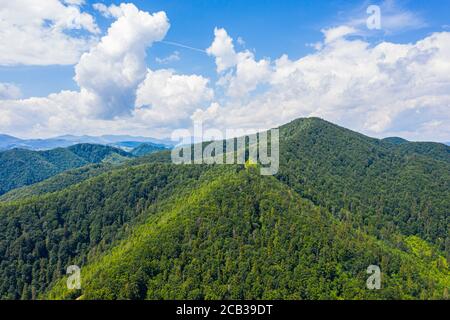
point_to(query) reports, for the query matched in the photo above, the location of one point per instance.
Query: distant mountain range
(124, 142)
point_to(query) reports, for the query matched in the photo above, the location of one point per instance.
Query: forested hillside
(58, 182)
(244, 236)
(20, 167)
(146, 148)
(150, 229)
(40, 235)
(385, 187)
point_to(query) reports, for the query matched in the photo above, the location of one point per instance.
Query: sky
(151, 67)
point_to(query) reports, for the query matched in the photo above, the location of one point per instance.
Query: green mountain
(146, 148)
(243, 236)
(150, 229)
(58, 182)
(95, 153)
(20, 167)
(386, 187)
(395, 140)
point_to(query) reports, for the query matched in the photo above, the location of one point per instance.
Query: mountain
(127, 145)
(32, 144)
(58, 182)
(146, 148)
(119, 140)
(385, 187)
(8, 142)
(243, 236)
(437, 151)
(395, 140)
(20, 167)
(147, 228)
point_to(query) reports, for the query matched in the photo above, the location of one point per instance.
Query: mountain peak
(395, 140)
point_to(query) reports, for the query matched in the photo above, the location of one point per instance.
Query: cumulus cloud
(222, 49)
(112, 11)
(118, 94)
(249, 74)
(110, 72)
(165, 97)
(246, 73)
(41, 34)
(9, 91)
(35, 116)
(203, 115)
(384, 89)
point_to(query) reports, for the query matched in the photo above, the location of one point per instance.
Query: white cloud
(108, 76)
(165, 97)
(207, 114)
(395, 19)
(35, 116)
(401, 21)
(386, 89)
(246, 73)
(175, 56)
(383, 89)
(9, 91)
(118, 94)
(43, 34)
(112, 11)
(110, 72)
(336, 33)
(223, 50)
(249, 74)
(75, 2)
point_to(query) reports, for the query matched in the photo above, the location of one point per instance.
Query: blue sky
(270, 28)
(266, 29)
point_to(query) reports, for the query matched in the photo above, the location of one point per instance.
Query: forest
(141, 227)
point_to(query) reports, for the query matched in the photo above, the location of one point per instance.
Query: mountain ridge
(20, 167)
(8, 142)
(371, 202)
(120, 275)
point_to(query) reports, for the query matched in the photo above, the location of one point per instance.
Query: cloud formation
(110, 72)
(380, 90)
(166, 99)
(222, 49)
(383, 89)
(9, 91)
(394, 19)
(118, 93)
(246, 72)
(175, 56)
(44, 34)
